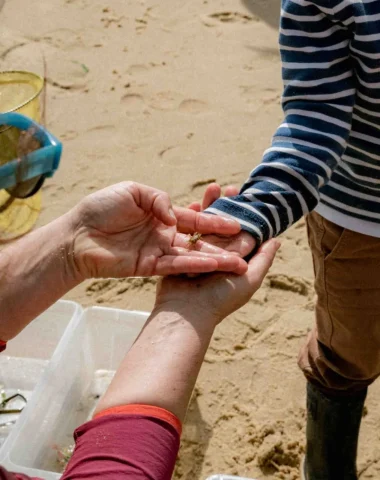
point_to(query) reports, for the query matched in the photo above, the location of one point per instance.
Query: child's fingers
(231, 191)
(212, 193)
(196, 206)
(189, 221)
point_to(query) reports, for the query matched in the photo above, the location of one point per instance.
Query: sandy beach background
(175, 95)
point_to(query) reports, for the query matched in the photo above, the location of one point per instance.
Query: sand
(176, 94)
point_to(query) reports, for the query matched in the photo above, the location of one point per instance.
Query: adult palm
(130, 229)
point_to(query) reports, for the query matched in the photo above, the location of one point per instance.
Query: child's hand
(242, 243)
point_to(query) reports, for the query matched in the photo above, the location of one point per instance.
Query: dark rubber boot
(332, 433)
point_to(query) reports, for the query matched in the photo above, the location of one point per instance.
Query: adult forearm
(162, 366)
(34, 273)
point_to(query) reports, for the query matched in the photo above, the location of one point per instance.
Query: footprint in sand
(254, 94)
(141, 69)
(272, 99)
(174, 101)
(250, 93)
(69, 135)
(193, 106)
(299, 285)
(63, 38)
(165, 100)
(133, 102)
(141, 25)
(137, 69)
(248, 90)
(227, 17)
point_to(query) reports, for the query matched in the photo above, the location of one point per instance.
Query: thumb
(162, 209)
(260, 264)
(153, 201)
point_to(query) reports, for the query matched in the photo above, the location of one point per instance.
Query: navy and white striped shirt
(326, 154)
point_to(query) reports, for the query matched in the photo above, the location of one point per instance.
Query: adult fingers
(190, 221)
(226, 262)
(183, 241)
(241, 244)
(175, 265)
(212, 193)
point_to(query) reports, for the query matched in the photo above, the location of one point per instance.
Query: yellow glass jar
(19, 92)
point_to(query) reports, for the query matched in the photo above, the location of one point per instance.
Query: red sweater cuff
(145, 410)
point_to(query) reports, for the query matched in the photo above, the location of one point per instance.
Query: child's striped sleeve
(318, 102)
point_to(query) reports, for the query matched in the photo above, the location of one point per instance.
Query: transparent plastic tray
(26, 359)
(90, 352)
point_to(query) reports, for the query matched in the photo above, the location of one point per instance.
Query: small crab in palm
(193, 239)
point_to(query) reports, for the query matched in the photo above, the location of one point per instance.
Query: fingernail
(229, 257)
(230, 221)
(172, 214)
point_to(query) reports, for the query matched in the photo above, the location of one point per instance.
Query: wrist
(53, 252)
(67, 227)
(73, 248)
(38, 266)
(181, 313)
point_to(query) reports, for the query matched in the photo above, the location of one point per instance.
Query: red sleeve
(135, 442)
(4, 475)
(3, 346)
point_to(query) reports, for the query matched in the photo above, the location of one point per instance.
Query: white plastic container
(26, 358)
(91, 352)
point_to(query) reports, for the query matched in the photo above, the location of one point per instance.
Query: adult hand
(163, 364)
(211, 298)
(241, 243)
(129, 229)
